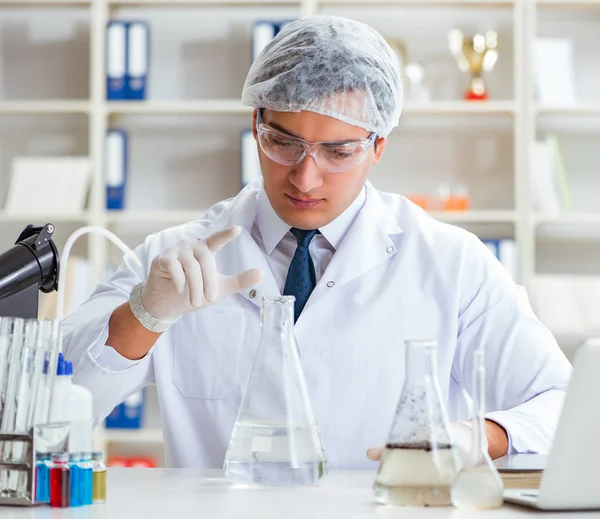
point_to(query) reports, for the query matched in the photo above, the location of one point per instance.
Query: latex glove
(463, 439)
(185, 278)
(461, 432)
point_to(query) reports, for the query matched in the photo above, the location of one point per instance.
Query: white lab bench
(194, 494)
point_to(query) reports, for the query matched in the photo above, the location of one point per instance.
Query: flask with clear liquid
(275, 439)
(420, 462)
(479, 485)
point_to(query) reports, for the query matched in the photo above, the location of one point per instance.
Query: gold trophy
(475, 55)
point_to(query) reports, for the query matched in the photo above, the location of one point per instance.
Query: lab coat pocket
(208, 353)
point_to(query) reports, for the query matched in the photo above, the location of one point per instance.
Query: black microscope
(29, 267)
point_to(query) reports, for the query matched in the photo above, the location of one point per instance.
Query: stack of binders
(127, 60)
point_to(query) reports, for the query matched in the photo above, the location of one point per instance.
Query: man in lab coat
(368, 270)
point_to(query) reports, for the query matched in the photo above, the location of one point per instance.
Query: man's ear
(380, 143)
(254, 114)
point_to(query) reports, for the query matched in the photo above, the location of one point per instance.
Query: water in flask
(274, 454)
(420, 462)
(275, 440)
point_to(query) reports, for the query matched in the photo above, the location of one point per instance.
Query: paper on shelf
(554, 71)
(48, 186)
(544, 188)
(567, 304)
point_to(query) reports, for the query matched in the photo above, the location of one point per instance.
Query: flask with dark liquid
(420, 462)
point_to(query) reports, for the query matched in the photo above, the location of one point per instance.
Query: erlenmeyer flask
(420, 462)
(479, 485)
(275, 440)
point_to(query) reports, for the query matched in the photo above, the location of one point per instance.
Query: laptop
(571, 480)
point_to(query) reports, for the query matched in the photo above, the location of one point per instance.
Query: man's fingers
(207, 263)
(218, 240)
(169, 265)
(241, 282)
(193, 275)
(374, 453)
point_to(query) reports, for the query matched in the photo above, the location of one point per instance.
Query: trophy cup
(475, 55)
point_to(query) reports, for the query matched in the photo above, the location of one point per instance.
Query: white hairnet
(332, 66)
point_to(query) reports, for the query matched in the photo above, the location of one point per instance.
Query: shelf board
(459, 108)
(565, 218)
(227, 106)
(568, 4)
(140, 217)
(475, 216)
(574, 333)
(45, 218)
(174, 217)
(207, 3)
(143, 435)
(441, 3)
(569, 110)
(43, 3)
(34, 107)
(218, 106)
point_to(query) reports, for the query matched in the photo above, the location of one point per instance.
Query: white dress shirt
(276, 241)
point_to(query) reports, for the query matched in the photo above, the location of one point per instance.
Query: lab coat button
(252, 294)
(390, 249)
(330, 284)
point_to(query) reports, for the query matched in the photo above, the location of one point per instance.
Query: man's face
(303, 195)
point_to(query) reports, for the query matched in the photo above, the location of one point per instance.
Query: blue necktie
(301, 279)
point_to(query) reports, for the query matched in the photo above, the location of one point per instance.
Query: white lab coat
(398, 274)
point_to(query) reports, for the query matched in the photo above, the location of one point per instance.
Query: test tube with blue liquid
(86, 478)
(76, 485)
(42, 479)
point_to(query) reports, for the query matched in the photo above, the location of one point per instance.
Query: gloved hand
(461, 432)
(185, 278)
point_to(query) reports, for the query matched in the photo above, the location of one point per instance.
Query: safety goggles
(329, 156)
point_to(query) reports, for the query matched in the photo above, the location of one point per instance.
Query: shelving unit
(506, 126)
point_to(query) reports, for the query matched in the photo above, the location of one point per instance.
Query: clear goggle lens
(329, 156)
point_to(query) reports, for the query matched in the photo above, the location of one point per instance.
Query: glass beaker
(420, 462)
(275, 439)
(479, 485)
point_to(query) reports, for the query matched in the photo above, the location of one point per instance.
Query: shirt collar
(273, 229)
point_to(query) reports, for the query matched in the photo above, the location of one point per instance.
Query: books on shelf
(549, 180)
(127, 60)
(48, 186)
(554, 71)
(506, 251)
(250, 163)
(116, 165)
(128, 414)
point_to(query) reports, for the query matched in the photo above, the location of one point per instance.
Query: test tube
(14, 371)
(42, 481)
(13, 332)
(60, 484)
(99, 478)
(86, 478)
(18, 479)
(6, 324)
(76, 477)
(50, 344)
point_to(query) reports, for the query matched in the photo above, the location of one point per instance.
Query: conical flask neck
(277, 318)
(420, 362)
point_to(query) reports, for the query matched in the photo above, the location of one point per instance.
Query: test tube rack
(40, 438)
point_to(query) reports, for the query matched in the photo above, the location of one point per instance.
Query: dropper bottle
(479, 485)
